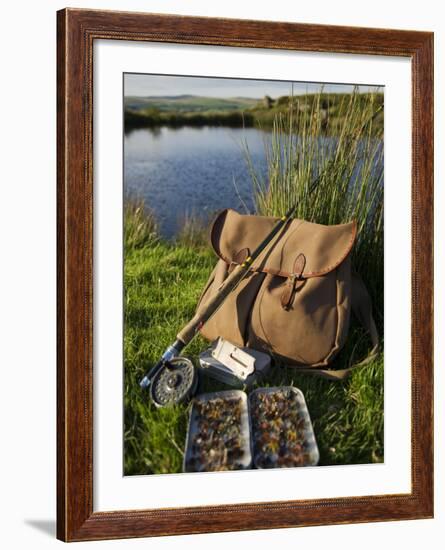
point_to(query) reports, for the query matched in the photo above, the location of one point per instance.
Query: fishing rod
(186, 335)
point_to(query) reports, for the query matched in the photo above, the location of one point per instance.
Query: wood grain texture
(76, 32)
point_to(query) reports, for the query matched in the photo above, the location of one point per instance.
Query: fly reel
(175, 383)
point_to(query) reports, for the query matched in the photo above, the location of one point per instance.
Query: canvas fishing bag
(296, 301)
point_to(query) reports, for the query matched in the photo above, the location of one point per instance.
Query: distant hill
(188, 103)
(182, 96)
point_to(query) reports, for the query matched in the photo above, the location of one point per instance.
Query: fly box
(218, 436)
(282, 432)
(232, 365)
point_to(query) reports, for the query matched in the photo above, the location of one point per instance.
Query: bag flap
(323, 246)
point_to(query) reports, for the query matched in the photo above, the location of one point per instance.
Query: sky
(161, 85)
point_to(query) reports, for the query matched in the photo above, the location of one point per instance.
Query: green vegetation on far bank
(238, 112)
(188, 103)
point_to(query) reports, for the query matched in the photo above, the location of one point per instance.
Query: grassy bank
(332, 180)
(163, 281)
(198, 112)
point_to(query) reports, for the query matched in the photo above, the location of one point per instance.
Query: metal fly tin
(217, 370)
(282, 431)
(204, 442)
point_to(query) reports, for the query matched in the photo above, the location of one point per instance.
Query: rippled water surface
(191, 171)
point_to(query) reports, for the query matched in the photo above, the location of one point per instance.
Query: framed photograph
(245, 229)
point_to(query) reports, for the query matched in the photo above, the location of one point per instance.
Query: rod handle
(172, 351)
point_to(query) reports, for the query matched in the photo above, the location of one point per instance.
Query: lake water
(191, 171)
(194, 172)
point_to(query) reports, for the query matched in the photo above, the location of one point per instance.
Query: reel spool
(175, 383)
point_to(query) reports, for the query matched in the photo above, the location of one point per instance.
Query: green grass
(162, 284)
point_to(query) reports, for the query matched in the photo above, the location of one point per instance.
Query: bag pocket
(307, 332)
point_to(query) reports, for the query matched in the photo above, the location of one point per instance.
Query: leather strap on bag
(362, 309)
(294, 281)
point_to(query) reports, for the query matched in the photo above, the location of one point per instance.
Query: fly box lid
(233, 365)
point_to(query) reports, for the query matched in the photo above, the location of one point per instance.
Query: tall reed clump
(332, 175)
(140, 227)
(193, 231)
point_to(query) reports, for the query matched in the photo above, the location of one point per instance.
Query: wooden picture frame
(77, 31)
